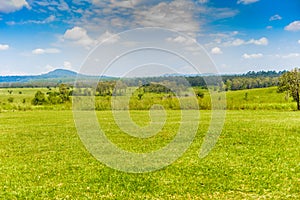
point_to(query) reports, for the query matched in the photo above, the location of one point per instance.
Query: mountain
(59, 73)
(56, 76)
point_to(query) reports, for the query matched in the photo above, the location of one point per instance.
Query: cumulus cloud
(45, 51)
(8, 6)
(236, 42)
(246, 2)
(262, 41)
(216, 50)
(275, 17)
(298, 41)
(4, 47)
(79, 36)
(252, 56)
(179, 15)
(294, 26)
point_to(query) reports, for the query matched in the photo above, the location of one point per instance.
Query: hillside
(51, 78)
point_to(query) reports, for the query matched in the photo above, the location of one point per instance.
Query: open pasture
(256, 157)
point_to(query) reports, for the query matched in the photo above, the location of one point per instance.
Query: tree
(39, 98)
(290, 82)
(64, 91)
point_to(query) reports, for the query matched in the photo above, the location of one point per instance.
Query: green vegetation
(252, 99)
(256, 157)
(290, 82)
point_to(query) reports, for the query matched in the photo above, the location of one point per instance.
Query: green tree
(39, 98)
(290, 82)
(64, 91)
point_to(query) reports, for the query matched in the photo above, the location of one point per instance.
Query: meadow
(256, 156)
(251, 99)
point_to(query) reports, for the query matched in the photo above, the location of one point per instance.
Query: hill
(51, 78)
(58, 73)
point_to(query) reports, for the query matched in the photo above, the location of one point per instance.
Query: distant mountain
(56, 76)
(59, 73)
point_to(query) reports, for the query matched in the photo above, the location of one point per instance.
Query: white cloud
(45, 51)
(216, 50)
(4, 47)
(298, 41)
(54, 6)
(275, 17)
(79, 36)
(252, 56)
(262, 41)
(291, 55)
(8, 6)
(269, 27)
(238, 42)
(182, 40)
(294, 26)
(49, 19)
(177, 15)
(246, 2)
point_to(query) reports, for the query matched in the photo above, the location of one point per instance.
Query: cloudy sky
(37, 36)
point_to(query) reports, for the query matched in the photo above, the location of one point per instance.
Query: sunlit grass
(256, 157)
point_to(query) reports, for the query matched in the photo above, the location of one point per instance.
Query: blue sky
(37, 36)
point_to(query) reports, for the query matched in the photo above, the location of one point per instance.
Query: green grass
(256, 157)
(22, 98)
(253, 99)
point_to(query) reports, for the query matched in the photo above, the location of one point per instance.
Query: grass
(256, 157)
(253, 99)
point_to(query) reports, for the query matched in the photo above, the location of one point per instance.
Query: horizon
(45, 73)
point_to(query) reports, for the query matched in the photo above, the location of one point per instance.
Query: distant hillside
(49, 79)
(59, 73)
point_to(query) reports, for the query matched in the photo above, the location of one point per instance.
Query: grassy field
(254, 99)
(256, 157)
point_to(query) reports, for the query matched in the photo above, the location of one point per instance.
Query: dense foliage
(53, 97)
(290, 82)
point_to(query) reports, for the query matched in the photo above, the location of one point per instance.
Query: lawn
(256, 157)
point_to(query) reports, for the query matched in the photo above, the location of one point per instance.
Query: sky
(37, 36)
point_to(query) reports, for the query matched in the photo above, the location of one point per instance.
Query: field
(256, 156)
(253, 99)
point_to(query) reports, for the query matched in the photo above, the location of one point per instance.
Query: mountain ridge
(57, 75)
